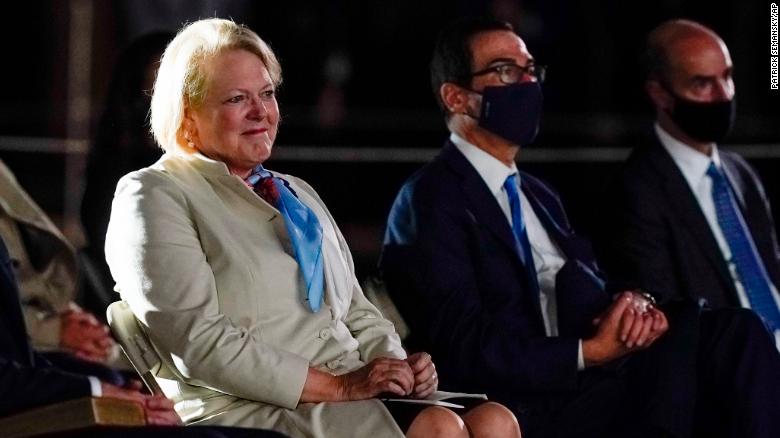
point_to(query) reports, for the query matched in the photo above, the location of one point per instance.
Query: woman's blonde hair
(182, 80)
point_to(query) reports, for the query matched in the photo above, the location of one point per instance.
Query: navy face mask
(512, 111)
(704, 121)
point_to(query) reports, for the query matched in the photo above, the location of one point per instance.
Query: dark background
(355, 76)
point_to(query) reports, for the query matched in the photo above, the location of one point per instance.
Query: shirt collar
(692, 163)
(490, 168)
(202, 163)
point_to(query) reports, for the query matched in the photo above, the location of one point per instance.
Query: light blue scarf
(303, 227)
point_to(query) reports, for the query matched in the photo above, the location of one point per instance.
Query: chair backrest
(135, 343)
(376, 292)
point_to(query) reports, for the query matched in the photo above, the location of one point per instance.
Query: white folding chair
(135, 343)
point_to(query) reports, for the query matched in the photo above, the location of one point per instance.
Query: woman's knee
(492, 420)
(437, 422)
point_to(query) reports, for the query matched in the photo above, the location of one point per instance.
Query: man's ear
(454, 98)
(659, 95)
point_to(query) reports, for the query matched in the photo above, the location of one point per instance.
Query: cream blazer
(207, 267)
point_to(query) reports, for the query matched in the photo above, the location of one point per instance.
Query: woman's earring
(187, 137)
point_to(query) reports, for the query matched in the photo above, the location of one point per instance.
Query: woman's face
(238, 119)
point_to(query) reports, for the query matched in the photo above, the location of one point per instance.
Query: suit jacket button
(325, 333)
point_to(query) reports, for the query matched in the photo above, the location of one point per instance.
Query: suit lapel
(556, 225)
(485, 209)
(231, 182)
(216, 175)
(556, 232)
(686, 206)
(738, 185)
(266, 211)
(752, 205)
(486, 212)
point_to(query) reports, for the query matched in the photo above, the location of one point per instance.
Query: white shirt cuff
(95, 386)
(580, 357)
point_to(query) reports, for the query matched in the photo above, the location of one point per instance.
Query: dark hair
(123, 142)
(452, 58)
(124, 123)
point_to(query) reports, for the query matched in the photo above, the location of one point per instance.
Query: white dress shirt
(548, 258)
(95, 387)
(693, 165)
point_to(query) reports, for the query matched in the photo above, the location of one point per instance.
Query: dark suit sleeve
(22, 384)
(438, 274)
(634, 243)
(27, 387)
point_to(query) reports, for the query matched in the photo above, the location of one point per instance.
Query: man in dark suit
(666, 229)
(27, 380)
(495, 284)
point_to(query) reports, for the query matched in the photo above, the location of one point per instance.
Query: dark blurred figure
(47, 270)
(123, 142)
(28, 380)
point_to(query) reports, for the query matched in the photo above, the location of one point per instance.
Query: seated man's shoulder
(432, 182)
(638, 163)
(537, 185)
(747, 173)
(542, 190)
(737, 161)
(636, 177)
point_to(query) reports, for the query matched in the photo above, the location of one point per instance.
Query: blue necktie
(303, 227)
(750, 268)
(518, 229)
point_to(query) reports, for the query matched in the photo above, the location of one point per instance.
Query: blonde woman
(240, 275)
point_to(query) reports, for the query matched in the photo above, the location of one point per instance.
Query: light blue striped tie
(750, 269)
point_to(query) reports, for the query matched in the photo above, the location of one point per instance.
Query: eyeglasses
(513, 73)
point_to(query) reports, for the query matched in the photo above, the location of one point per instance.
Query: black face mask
(512, 111)
(703, 121)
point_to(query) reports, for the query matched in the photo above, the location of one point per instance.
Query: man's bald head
(688, 78)
(664, 42)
